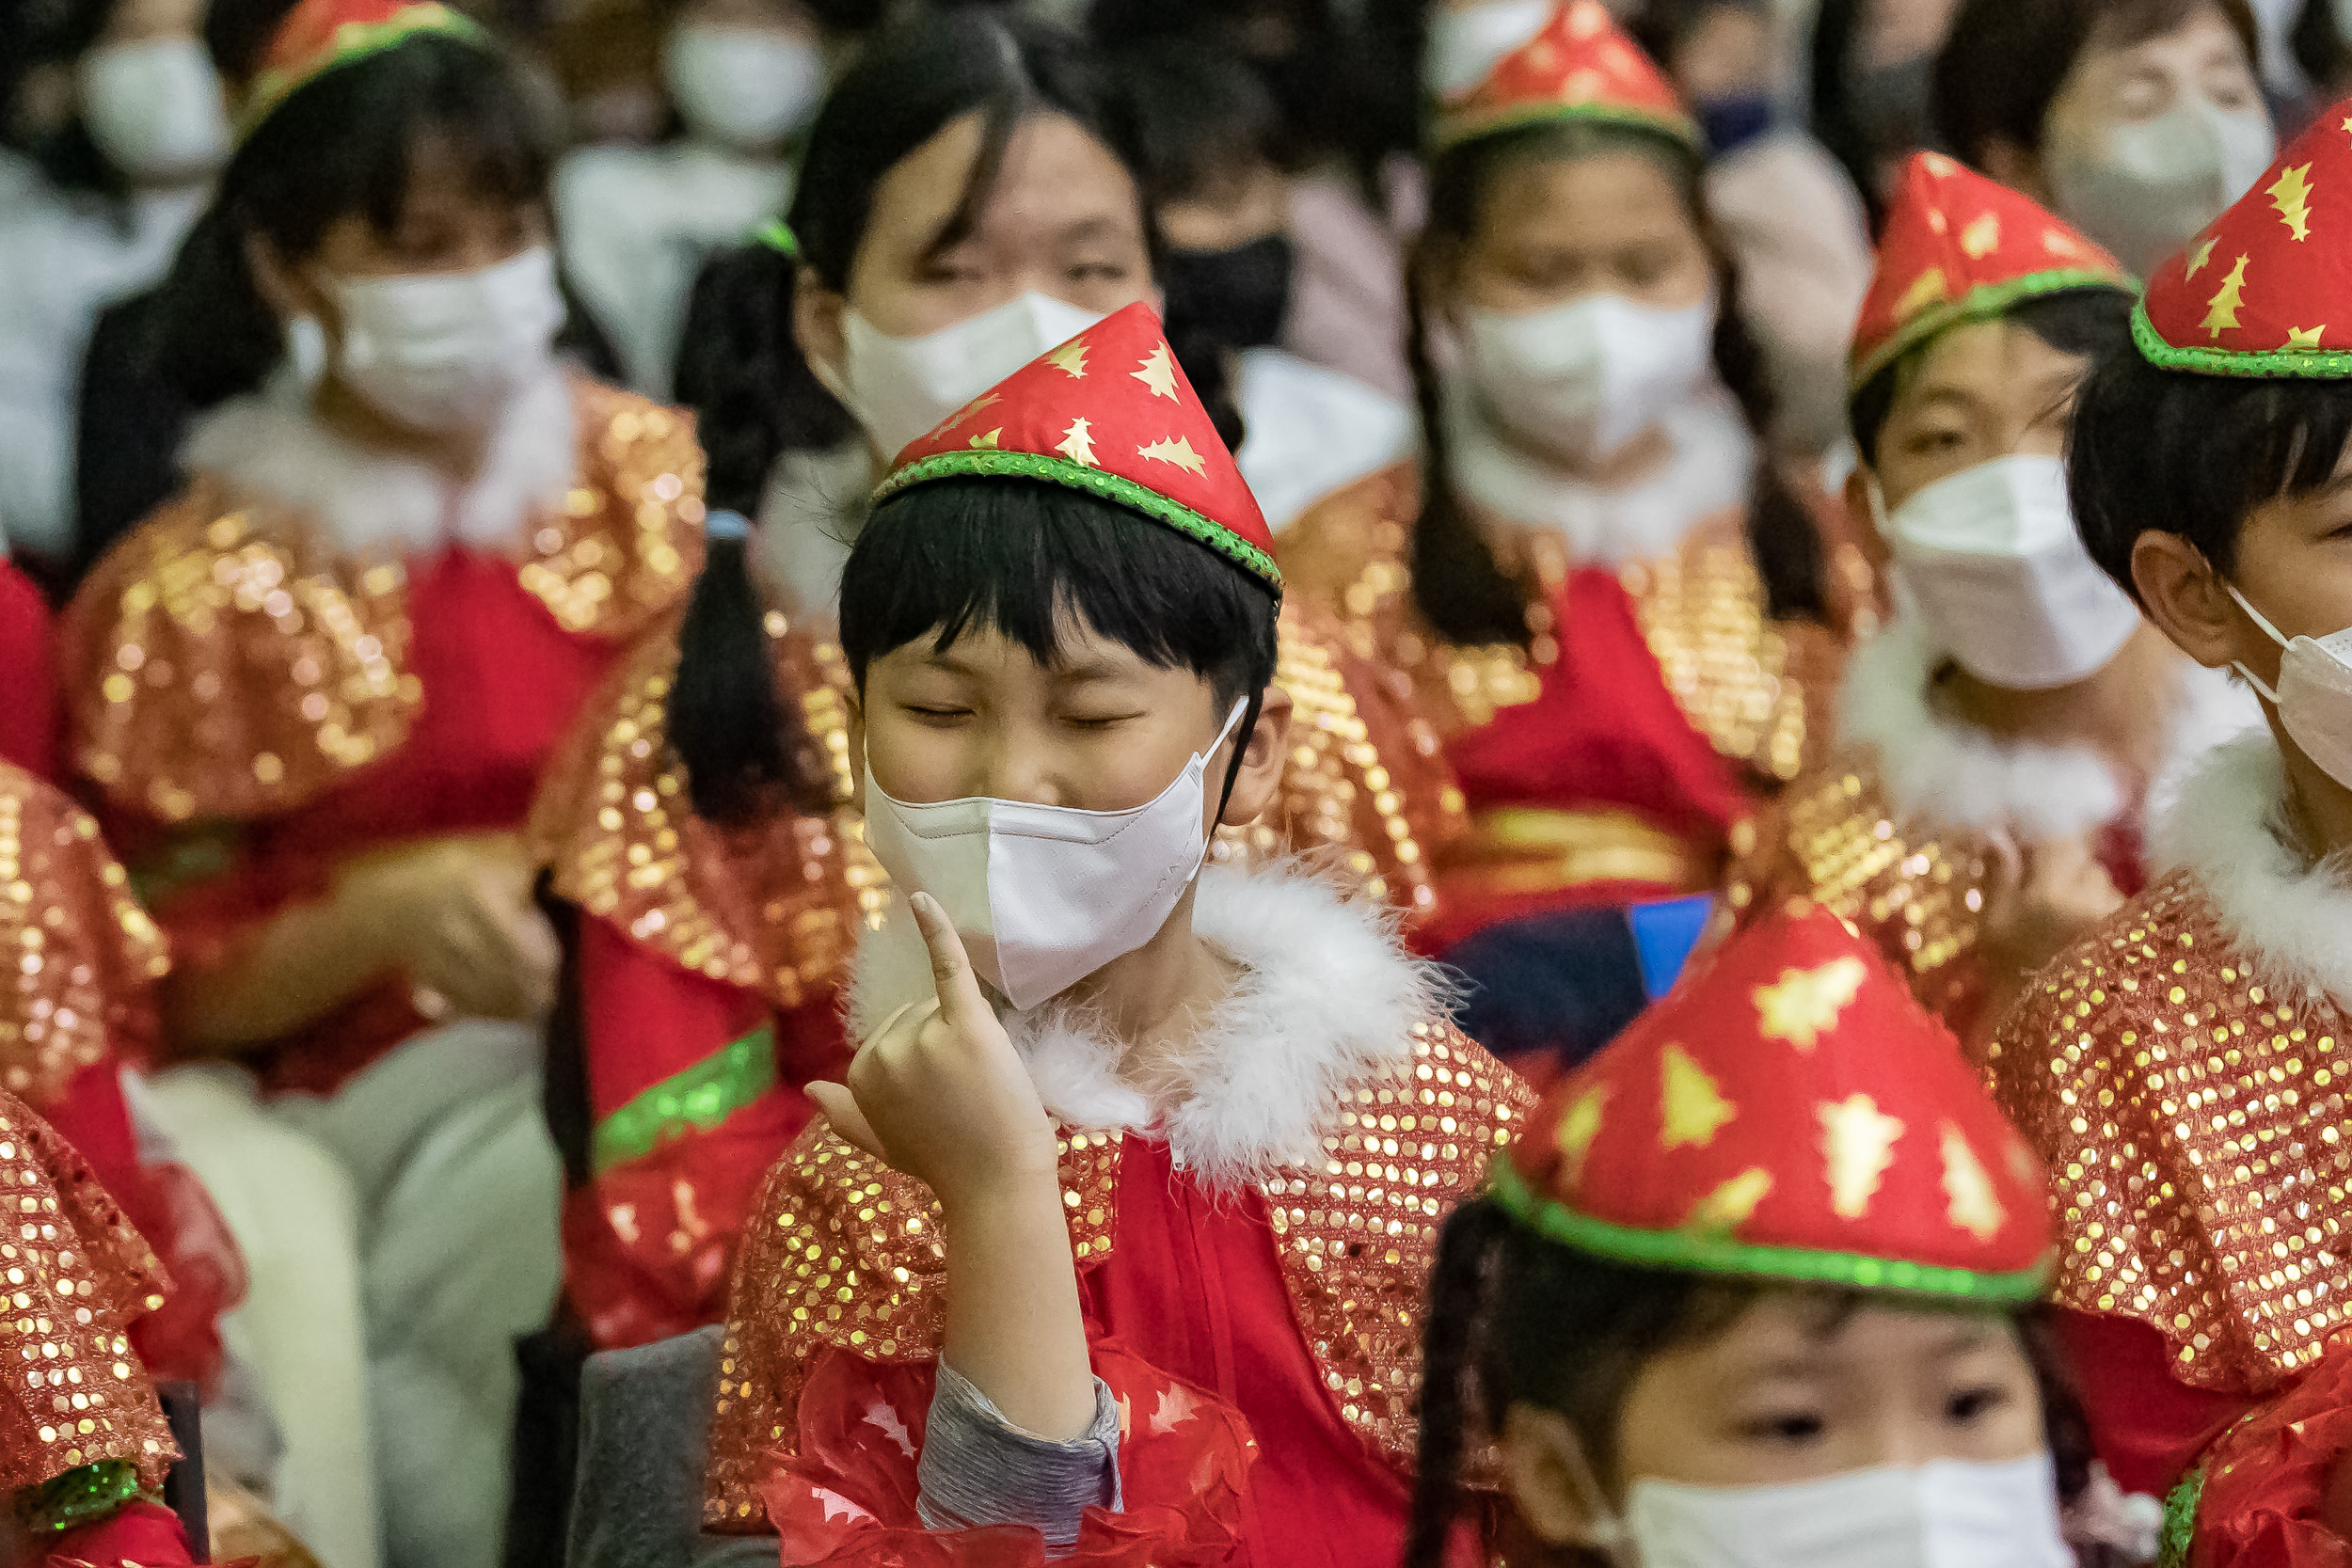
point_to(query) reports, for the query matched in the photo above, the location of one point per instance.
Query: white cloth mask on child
(747, 88)
(1581, 380)
(1467, 42)
(440, 352)
(154, 108)
(1991, 559)
(1045, 896)
(2314, 692)
(901, 388)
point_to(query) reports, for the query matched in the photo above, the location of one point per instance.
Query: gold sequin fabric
(1914, 891)
(1747, 682)
(2194, 1121)
(81, 957)
(73, 1274)
(846, 1254)
(774, 908)
(225, 660)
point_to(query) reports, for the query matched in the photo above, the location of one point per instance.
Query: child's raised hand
(938, 1092)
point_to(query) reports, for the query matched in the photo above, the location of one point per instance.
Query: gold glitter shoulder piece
(219, 667)
(773, 907)
(78, 958)
(1834, 838)
(845, 1254)
(2194, 1121)
(627, 541)
(77, 1273)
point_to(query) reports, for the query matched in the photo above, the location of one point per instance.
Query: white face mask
(1949, 1514)
(1580, 380)
(444, 351)
(2314, 692)
(2154, 184)
(749, 88)
(1991, 561)
(1466, 44)
(1045, 896)
(154, 109)
(901, 388)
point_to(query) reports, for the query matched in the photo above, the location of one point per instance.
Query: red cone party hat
(320, 34)
(2267, 288)
(1957, 248)
(1110, 413)
(1788, 1113)
(1580, 67)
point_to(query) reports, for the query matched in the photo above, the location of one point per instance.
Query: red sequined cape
(28, 718)
(1295, 1303)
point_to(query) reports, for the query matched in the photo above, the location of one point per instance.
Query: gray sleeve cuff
(978, 1468)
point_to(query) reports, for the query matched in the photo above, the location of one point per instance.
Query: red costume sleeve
(144, 1535)
(2148, 1426)
(847, 1498)
(29, 719)
(2265, 1483)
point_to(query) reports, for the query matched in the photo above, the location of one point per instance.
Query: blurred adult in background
(315, 692)
(744, 78)
(1871, 67)
(1785, 209)
(111, 124)
(1207, 129)
(2136, 120)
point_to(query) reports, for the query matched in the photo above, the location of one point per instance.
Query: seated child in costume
(2179, 1067)
(1755, 1290)
(1998, 743)
(1152, 1292)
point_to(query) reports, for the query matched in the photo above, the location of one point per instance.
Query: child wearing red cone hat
(1151, 1293)
(1754, 1290)
(2176, 1068)
(1998, 743)
(1613, 609)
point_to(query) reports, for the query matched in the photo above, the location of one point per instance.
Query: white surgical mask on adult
(1947, 1513)
(1992, 564)
(2314, 692)
(2153, 186)
(901, 388)
(1464, 43)
(154, 109)
(444, 351)
(1045, 896)
(749, 87)
(1580, 380)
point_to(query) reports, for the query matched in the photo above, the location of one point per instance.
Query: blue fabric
(1664, 931)
(1561, 984)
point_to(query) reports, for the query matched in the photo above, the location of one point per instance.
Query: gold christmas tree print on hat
(2267, 288)
(1791, 1113)
(1110, 413)
(1580, 66)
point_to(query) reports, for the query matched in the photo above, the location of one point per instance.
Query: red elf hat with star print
(2267, 288)
(1958, 247)
(1582, 66)
(1789, 1111)
(1110, 413)
(318, 36)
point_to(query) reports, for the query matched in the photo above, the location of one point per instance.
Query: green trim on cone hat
(1580, 66)
(1791, 1113)
(1110, 413)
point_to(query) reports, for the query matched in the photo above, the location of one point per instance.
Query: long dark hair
(754, 395)
(1458, 583)
(1516, 1318)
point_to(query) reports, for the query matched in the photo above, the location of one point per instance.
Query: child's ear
(856, 705)
(1541, 1456)
(1260, 776)
(2185, 596)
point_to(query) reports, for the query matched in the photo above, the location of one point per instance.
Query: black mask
(1237, 297)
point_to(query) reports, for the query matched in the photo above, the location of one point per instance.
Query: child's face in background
(1554, 229)
(1799, 1387)
(1984, 391)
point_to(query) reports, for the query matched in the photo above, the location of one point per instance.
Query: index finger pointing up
(959, 997)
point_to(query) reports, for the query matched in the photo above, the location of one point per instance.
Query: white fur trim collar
(2228, 830)
(269, 447)
(1327, 1001)
(1941, 769)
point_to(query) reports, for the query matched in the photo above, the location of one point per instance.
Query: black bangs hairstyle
(341, 145)
(2082, 321)
(757, 400)
(2192, 456)
(1020, 556)
(1514, 1318)
(1457, 583)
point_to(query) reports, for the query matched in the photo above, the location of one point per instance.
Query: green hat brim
(2301, 364)
(1982, 303)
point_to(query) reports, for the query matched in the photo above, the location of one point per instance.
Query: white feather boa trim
(1326, 1002)
(2229, 831)
(271, 449)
